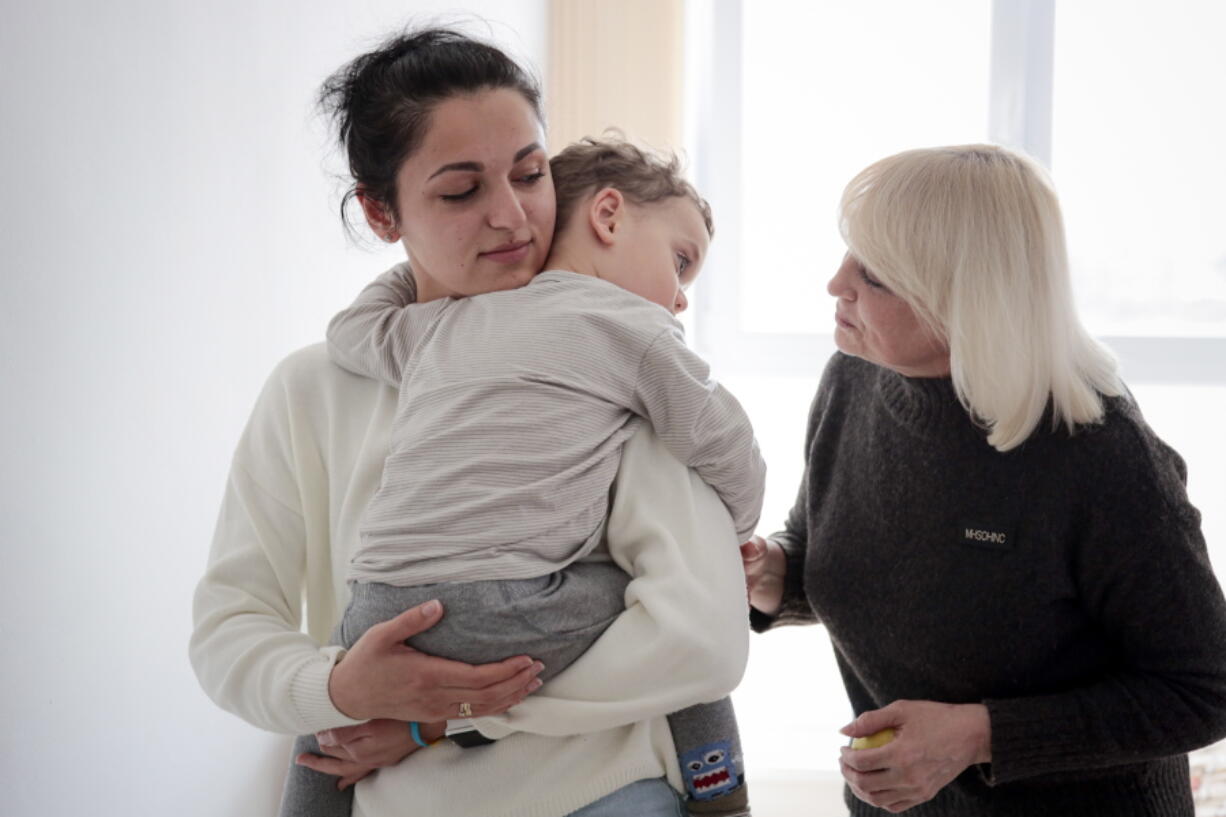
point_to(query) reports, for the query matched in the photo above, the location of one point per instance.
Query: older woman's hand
(765, 565)
(382, 677)
(933, 744)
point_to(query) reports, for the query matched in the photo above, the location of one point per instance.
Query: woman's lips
(509, 253)
(841, 321)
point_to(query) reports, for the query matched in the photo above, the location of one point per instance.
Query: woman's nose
(839, 286)
(506, 210)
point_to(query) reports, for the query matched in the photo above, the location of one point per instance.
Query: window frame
(1020, 116)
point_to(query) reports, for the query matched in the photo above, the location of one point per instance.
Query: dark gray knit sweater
(1064, 584)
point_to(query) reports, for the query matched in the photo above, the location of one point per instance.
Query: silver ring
(466, 710)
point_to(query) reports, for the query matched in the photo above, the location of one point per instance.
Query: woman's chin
(846, 344)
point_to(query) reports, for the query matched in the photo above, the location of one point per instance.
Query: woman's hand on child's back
(382, 677)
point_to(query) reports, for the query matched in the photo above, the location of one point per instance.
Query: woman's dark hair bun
(380, 103)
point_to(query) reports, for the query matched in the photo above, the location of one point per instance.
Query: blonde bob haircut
(971, 237)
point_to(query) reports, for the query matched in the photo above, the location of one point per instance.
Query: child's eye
(467, 194)
(683, 263)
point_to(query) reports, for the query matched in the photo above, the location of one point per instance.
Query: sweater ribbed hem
(308, 693)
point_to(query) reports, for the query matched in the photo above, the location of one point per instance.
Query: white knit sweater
(304, 471)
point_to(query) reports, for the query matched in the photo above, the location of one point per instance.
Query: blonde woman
(1001, 549)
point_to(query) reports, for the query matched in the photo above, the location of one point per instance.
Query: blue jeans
(643, 798)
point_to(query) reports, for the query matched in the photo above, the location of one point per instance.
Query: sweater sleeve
(683, 637)
(1144, 577)
(246, 646)
(703, 425)
(376, 334)
(794, 538)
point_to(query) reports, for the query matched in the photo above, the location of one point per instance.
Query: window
(788, 100)
(1137, 134)
(827, 99)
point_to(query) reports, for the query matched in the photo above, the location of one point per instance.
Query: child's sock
(711, 763)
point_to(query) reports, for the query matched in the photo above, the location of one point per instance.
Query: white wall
(169, 233)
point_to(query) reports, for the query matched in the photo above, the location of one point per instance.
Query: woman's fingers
(867, 760)
(501, 705)
(346, 771)
(498, 697)
(753, 550)
(765, 566)
(934, 742)
(409, 623)
(336, 742)
(377, 743)
(881, 789)
(873, 721)
(474, 679)
(870, 780)
(329, 765)
(382, 677)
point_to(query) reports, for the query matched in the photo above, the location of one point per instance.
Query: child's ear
(378, 216)
(605, 214)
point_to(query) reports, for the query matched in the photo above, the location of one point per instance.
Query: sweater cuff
(1030, 740)
(309, 693)
(795, 607)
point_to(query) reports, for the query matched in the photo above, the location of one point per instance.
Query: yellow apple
(874, 740)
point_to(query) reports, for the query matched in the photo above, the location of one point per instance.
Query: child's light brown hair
(642, 176)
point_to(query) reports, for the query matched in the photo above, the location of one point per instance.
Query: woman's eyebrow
(524, 151)
(477, 167)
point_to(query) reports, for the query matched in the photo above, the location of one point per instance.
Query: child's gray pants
(552, 618)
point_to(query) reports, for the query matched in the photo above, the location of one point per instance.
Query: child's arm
(703, 425)
(377, 333)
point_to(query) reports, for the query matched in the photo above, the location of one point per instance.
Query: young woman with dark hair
(447, 151)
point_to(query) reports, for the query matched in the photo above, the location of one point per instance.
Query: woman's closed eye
(871, 281)
(529, 179)
(467, 194)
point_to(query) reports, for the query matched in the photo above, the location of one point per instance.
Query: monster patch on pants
(708, 771)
